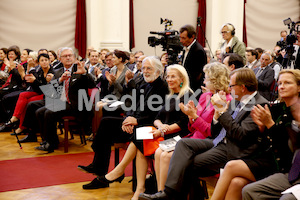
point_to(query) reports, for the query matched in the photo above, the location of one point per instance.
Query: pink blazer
(200, 129)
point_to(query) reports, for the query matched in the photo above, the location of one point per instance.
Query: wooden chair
(211, 180)
(124, 146)
(70, 123)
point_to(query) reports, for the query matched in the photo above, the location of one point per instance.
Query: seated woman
(116, 79)
(13, 83)
(41, 77)
(275, 154)
(200, 117)
(3, 59)
(169, 121)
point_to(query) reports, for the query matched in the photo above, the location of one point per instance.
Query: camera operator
(194, 56)
(282, 41)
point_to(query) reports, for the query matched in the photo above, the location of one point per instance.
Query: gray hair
(154, 62)
(66, 48)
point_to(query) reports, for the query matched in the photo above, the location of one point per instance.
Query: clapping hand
(97, 71)
(80, 68)
(219, 101)
(128, 75)
(189, 109)
(49, 77)
(21, 71)
(110, 77)
(11, 65)
(262, 116)
(29, 78)
(65, 76)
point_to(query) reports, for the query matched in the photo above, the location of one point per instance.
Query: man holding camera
(194, 56)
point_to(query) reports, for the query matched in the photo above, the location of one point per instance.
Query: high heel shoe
(104, 180)
(9, 125)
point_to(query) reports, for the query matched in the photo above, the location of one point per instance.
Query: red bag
(150, 146)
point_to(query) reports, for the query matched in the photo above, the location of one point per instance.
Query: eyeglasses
(230, 86)
(69, 55)
(223, 32)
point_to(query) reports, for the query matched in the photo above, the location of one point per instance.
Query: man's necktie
(259, 72)
(295, 169)
(222, 133)
(182, 58)
(67, 84)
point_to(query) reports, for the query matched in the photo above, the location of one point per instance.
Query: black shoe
(95, 184)
(159, 195)
(4, 128)
(45, 147)
(87, 169)
(29, 138)
(9, 125)
(104, 180)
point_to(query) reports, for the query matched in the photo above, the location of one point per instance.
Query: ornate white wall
(108, 24)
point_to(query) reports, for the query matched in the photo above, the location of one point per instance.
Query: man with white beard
(119, 129)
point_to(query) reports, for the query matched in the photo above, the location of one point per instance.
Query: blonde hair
(184, 76)
(33, 55)
(219, 75)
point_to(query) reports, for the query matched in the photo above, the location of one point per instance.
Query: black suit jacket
(265, 81)
(279, 135)
(77, 82)
(143, 112)
(297, 61)
(194, 63)
(242, 134)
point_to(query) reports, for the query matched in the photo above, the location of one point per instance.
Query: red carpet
(49, 170)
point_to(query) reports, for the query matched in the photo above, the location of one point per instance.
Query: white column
(108, 24)
(220, 12)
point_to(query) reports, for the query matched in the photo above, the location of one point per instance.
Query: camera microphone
(154, 32)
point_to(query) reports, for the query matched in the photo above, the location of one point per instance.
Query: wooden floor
(9, 149)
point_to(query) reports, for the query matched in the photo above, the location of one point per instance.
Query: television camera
(289, 59)
(169, 41)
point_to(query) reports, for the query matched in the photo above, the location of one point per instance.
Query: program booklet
(169, 144)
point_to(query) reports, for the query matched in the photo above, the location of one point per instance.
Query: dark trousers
(48, 120)
(7, 104)
(30, 119)
(109, 131)
(193, 158)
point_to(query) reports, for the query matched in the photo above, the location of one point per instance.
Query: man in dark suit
(194, 56)
(119, 129)
(133, 66)
(236, 136)
(74, 78)
(265, 76)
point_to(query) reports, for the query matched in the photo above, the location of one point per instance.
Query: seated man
(237, 137)
(73, 78)
(265, 76)
(233, 61)
(251, 57)
(119, 129)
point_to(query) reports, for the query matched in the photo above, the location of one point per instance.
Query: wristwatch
(194, 119)
(221, 113)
